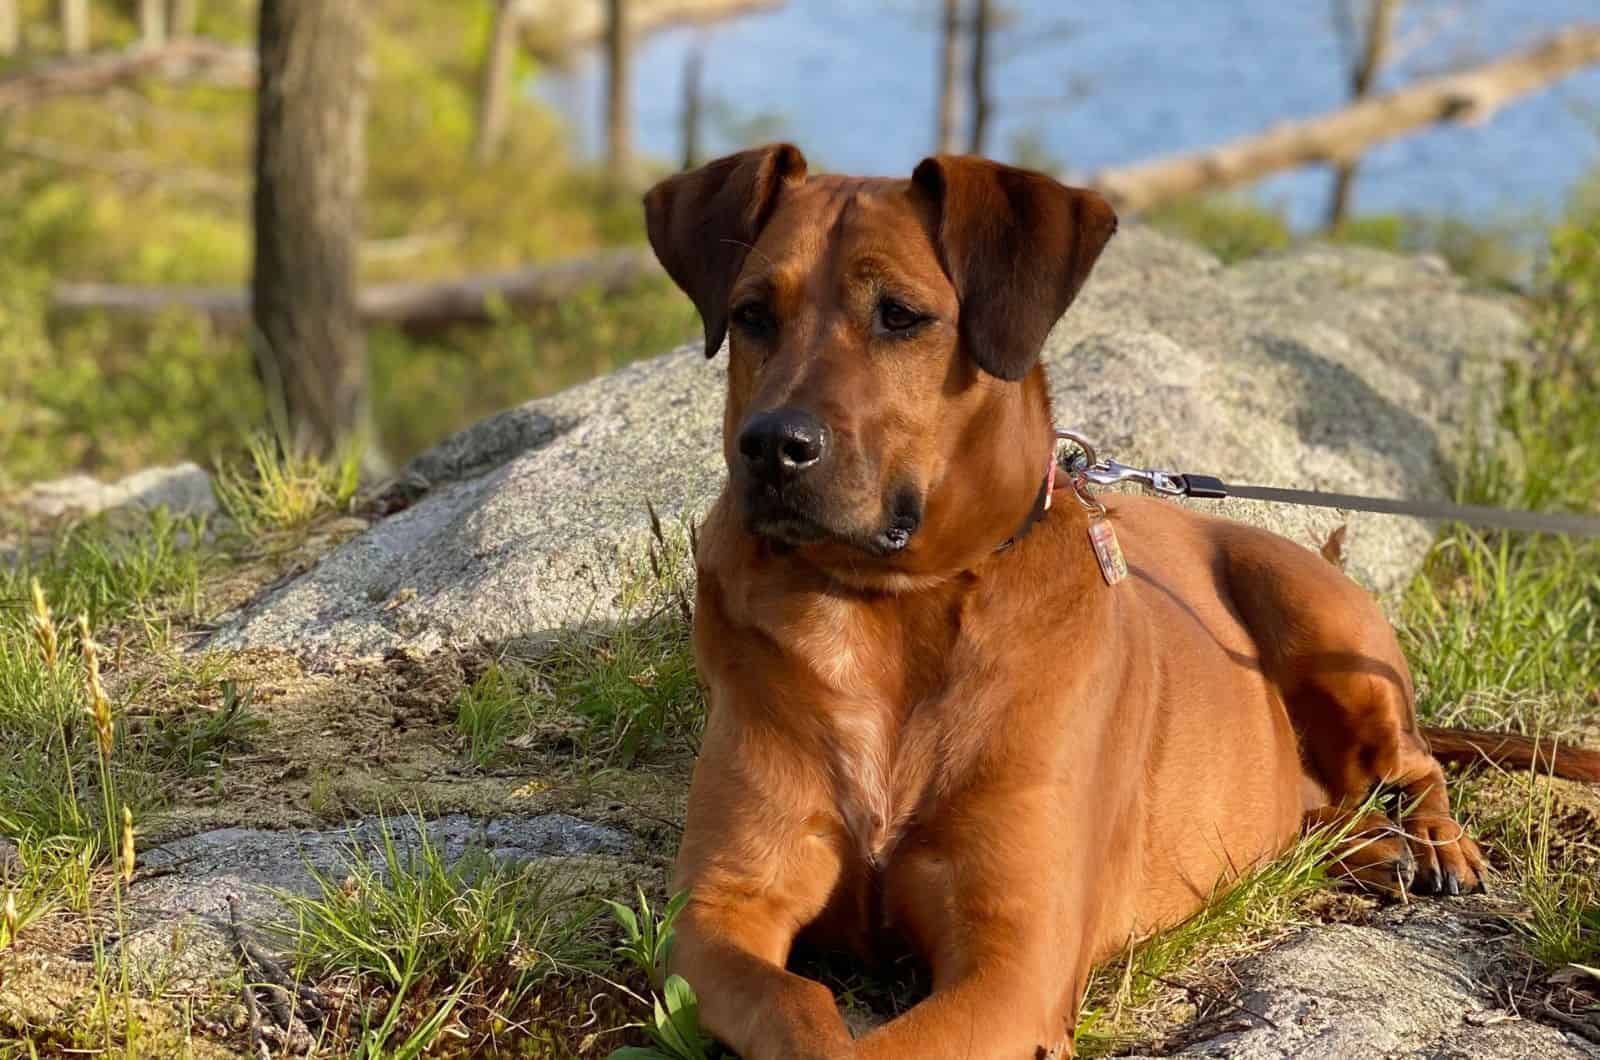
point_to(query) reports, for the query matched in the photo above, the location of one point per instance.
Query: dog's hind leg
(1358, 735)
(1347, 689)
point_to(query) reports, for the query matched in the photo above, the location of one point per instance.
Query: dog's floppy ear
(702, 223)
(1018, 246)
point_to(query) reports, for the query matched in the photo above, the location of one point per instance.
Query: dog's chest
(882, 713)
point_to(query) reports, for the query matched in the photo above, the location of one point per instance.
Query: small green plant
(197, 743)
(488, 713)
(647, 941)
(284, 490)
(673, 1021)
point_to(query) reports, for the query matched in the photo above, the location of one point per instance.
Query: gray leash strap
(1569, 524)
(1108, 472)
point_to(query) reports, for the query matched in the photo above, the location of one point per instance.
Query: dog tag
(1113, 566)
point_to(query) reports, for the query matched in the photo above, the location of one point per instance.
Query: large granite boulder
(1332, 368)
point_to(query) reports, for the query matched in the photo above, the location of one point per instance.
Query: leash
(1090, 467)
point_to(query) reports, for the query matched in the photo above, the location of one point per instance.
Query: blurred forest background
(443, 217)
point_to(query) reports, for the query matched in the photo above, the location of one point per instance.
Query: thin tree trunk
(982, 22)
(693, 68)
(152, 23)
(183, 18)
(311, 107)
(494, 96)
(1377, 29)
(10, 28)
(1470, 96)
(619, 132)
(949, 79)
(75, 26)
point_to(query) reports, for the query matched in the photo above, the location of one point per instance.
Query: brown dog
(931, 718)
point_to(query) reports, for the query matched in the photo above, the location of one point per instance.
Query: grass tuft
(490, 712)
(407, 927)
(283, 490)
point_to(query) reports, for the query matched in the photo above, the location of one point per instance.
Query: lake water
(1092, 85)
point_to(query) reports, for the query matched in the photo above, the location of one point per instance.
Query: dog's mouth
(793, 518)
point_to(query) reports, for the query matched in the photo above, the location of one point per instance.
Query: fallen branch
(180, 60)
(414, 306)
(127, 166)
(1470, 96)
(554, 29)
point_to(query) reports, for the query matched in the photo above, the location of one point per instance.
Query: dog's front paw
(1448, 860)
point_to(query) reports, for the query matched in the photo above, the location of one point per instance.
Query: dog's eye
(896, 317)
(754, 318)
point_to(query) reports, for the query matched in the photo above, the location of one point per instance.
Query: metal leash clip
(1109, 472)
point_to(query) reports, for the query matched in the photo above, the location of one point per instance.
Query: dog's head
(886, 414)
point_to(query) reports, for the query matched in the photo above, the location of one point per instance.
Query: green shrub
(1231, 227)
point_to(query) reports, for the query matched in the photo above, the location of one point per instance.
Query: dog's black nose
(780, 444)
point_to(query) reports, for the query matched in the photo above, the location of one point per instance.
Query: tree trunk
(152, 23)
(619, 134)
(982, 22)
(75, 26)
(946, 142)
(693, 67)
(10, 28)
(311, 107)
(494, 98)
(183, 17)
(1377, 28)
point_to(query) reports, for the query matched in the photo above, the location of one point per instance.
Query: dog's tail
(1543, 755)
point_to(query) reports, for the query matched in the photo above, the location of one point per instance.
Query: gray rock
(183, 489)
(1420, 986)
(177, 906)
(1332, 368)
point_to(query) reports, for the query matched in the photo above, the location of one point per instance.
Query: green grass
(1503, 631)
(618, 694)
(634, 684)
(1118, 1001)
(52, 776)
(1561, 890)
(1231, 227)
(1498, 620)
(491, 711)
(1237, 227)
(281, 490)
(430, 944)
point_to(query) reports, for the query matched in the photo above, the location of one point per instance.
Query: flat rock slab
(183, 489)
(1419, 984)
(1326, 368)
(178, 905)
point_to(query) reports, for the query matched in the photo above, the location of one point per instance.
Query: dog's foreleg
(733, 957)
(1001, 920)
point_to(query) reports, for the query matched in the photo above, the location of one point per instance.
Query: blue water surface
(853, 82)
